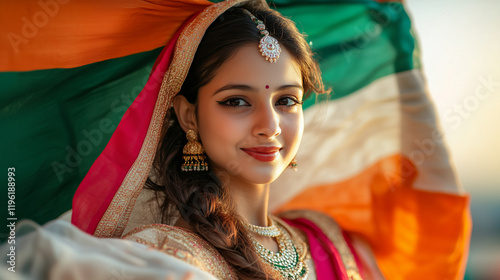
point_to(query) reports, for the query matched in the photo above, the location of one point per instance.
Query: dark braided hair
(200, 198)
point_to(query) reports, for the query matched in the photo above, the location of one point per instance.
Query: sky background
(460, 44)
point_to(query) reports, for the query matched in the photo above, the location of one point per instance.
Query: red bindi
(267, 86)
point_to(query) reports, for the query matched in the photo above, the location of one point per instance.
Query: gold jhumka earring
(193, 154)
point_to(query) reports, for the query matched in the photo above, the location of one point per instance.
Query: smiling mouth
(265, 154)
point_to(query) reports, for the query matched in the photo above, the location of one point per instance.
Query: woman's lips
(265, 154)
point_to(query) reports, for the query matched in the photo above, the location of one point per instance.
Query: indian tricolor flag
(372, 155)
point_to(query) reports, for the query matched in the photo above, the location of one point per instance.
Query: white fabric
(422, 140)
(60, 251)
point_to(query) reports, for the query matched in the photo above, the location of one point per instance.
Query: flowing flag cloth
(372, 155)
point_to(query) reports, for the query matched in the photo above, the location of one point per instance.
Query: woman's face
(250, 119)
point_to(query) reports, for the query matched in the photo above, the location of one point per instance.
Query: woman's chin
(260, 176)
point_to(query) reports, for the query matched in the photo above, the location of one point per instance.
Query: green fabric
(56, 122)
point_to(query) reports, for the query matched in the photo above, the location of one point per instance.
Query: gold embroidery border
(331, 229)
(208, 259)
(114, 220)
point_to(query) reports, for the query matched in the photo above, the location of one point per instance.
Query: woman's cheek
(222, 131)
(294, 132)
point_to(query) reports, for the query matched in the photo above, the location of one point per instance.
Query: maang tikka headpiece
(269, 46)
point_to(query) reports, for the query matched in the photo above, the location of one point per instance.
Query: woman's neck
(251, 202)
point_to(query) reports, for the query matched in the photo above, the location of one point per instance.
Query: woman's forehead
(248, 67)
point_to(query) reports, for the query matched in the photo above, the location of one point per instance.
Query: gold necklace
(290, 260)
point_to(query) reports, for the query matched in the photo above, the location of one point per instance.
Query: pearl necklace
(270, 231)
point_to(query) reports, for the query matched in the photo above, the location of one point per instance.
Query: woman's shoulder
(182, 244)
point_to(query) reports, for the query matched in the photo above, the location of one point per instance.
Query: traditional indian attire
(414, 233)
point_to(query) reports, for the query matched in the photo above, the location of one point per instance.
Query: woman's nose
(267, 122)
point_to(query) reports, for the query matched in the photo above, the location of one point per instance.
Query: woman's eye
(234, 102)
(288, 101)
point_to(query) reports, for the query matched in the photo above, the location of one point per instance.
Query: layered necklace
(290, 260)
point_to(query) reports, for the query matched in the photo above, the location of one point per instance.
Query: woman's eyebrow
(239, 87)
(291, 86)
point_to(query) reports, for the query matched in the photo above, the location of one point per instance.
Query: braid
(204, 203)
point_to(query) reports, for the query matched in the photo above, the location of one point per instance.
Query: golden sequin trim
(118, 212)
(184, 245)
(333, 232)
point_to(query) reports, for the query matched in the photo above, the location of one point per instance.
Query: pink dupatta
(328, 262)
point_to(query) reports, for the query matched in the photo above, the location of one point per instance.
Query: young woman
(188, 171)
(233, 127)
(240, 110)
